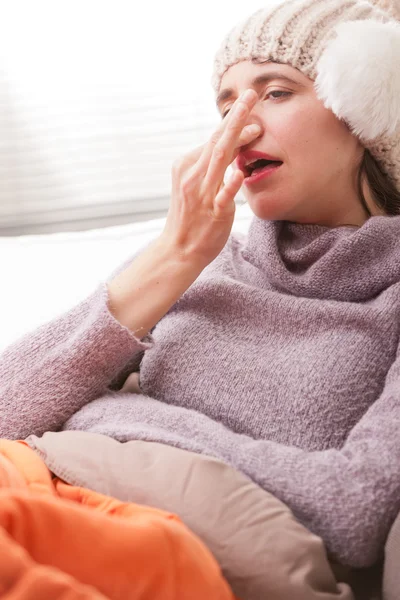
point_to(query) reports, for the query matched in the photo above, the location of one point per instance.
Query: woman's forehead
(248, 69)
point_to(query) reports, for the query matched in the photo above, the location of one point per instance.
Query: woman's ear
(358, 77)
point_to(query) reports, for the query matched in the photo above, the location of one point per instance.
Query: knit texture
(297, 32)
(392, 7)
(281, 359)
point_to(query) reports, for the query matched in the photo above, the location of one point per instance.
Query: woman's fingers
(226, 194)
(218, 154)
(247, 135)
(228, 146)
(200, 216)
(198, 155)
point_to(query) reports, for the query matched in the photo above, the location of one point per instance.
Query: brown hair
(384, 192)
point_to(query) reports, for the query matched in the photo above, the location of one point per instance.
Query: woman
(276, 352)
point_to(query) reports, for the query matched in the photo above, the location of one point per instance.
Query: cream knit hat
(349, 48)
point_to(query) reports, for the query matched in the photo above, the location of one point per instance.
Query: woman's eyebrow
(257, 81)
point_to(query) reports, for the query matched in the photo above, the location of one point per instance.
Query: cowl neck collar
(347, 263)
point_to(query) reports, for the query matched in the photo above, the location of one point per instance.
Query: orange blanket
(59, 542)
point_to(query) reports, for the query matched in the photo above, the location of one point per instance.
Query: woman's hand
(202, 208)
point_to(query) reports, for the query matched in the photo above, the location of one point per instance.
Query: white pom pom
(359, 77)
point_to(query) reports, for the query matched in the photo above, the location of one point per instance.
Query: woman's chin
(267, 208)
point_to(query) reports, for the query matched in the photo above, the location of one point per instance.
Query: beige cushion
(262, 550)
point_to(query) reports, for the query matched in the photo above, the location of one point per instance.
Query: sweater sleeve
(50, 373)
(348, 496)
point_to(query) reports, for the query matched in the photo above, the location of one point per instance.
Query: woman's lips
(244, 158)
(266, 172)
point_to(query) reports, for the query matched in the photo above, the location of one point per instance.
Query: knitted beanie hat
(349, 48)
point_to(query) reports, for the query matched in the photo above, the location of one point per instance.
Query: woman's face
(317, 182)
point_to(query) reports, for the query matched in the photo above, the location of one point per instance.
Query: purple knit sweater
(281, 359)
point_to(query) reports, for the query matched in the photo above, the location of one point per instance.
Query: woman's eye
(282, 95)
(278, 92)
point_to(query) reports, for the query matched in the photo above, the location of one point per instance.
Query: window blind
(96, 102)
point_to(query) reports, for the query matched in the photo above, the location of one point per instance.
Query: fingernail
(253, 128)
